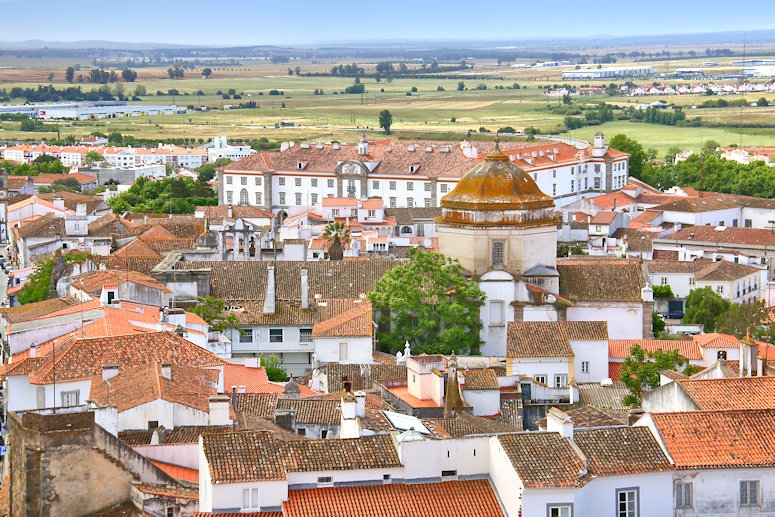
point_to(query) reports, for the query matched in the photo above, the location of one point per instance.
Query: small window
(663, 280)
(343, 352)
(597, 167)
(325, 481)
(584, 366)
(427, 187)
(297, 182)
(282, 198)
(496, 312)
(554, 189)
(275, 335)
(683, 495)
(387, 479)
(448, 475)
(229, 196)
(392, 185)
(627, 502)
(250, 498)
(375, 184)
(410, 185)
(330, 183)
(246, 336)
(540, 378)
(749, 493)
(313, 199)
(554, 173)
(748, 223)
(153, 424)
(298, 198)
(409, 202)
(427, 203)
(324, 433)
(498, 249)
(372, 213)
(720, 289)
(572, 186)
(597, 183)
(691, 280)
(243, 180)
(313, 182)
(281, 181)
(560, 381)
(258, 181)
(443, 188)
(335, 212)
(305, 335)
(228, 180)
(559, 510)
(69, 398)
(392, 202)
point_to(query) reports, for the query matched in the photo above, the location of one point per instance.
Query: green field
(338, 116)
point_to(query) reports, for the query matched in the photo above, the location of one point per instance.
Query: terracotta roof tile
(730, 235)
(620, 348)
(92, 283)
(178, 493)
(704, 269)
(543, 460)
(473, 498)
(479, 379)
(82, 358)
(716, 340)
(603, 397)
(31, 311)
(718, 439)
(551, 338)
(354, 322)
(259, 404)
(590, 416)
(731, 393)
(617, 451)
(360, 376)
(603, 280)
(311, 411)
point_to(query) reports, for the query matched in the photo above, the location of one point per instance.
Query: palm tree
(336, 235)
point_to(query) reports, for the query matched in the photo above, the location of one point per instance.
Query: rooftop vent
(410, 148)
(541, 152)
(444, 149)
(305, 145)
(519, 156)
(319, 146)
(335, 145)
(534, 154)
(388, 149)
(429, 149)
(606, 382)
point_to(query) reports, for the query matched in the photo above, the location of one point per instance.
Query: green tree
(36, 288)
(70, 74)
(385, 121)
(213, 311)
(704, 306)
(662, 291)
(709, 147)
(92, 157)
(657, 324)
(461, 86)
(671, 153)
(637, 155)
(640, 371)
(207, 72)
(274, 368)
(128, 75)
(762, 102)
(428, 302)
(336, 236)
(740, 319)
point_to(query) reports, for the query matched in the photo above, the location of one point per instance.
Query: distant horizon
(350, 22)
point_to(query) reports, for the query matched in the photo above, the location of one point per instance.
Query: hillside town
(272, 355)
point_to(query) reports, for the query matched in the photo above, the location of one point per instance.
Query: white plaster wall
(534, 501)
(547, 366)
(343, 476)
(596, 353)
(184, 454)
(598, 497)
(427, 458)
(760, 217)
(625, 319)
(485, 402)
(205, 482)
(228, 496)
(359, 350)
(716, 492)
(678, 282)
(504, 478)
(23, 395)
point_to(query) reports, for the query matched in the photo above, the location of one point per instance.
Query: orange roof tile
(354, 322)
(731, 393)
(474, 498)
(620, 348)
(716, 340)
(718, 439)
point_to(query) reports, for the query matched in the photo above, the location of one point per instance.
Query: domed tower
(497, 218)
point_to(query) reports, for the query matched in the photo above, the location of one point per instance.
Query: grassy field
(338, 116)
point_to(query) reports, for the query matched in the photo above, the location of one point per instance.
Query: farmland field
(419, 106)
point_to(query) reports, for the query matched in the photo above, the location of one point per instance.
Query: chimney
(80, 209)
(761, 366)
(234, 398)
(59, 203)
(360, 404)
(304, 288)
(347, 384)
(33, 350)
(230, 212)
(219, 410)
(558, 421)
(269, 301)
(109, 370)
(166, 370)
(315, 381)
(348, 405)
(242, 389)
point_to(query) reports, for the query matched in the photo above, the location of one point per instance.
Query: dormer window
(498, 252)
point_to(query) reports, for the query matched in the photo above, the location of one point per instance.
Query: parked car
(674, 315)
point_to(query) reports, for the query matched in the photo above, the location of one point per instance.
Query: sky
(307, 22)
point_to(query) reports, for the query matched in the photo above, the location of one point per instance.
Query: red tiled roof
(620, 348)
(731, 393)
(617, 451)
(551, 338)
(474, 498)
(716, 340)
(354, 322)
(543, 460)
(718, 439)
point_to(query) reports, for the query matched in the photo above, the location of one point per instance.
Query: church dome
(497, 193)
(496, 184)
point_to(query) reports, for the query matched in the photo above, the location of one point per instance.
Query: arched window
(243, 197)
(497, 253)
(406, 229)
